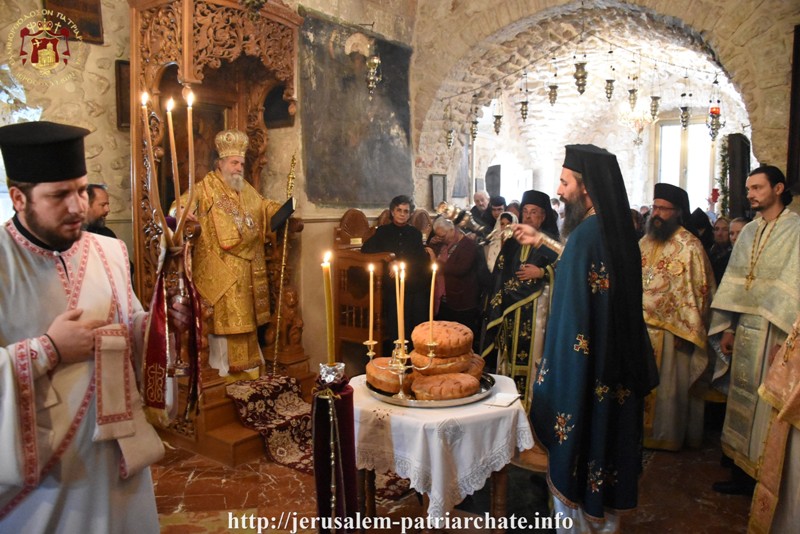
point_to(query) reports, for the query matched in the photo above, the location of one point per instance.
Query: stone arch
(448, 33)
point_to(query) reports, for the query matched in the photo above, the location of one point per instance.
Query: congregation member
(597, 365)
(678, 284)
(754, 308)
(99, 208)
(720, 251)
(457, 289)
(76, 443)
(519, 299)
(498, 238)
(405, 242)
(497, 205)
(229, 263)
(701, 227)
(481, 203)
(736, 228)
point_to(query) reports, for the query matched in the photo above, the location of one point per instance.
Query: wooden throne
(231, 57)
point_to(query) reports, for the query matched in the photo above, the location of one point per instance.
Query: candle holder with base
(400, 362)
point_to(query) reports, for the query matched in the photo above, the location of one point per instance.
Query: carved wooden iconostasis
(231, 58)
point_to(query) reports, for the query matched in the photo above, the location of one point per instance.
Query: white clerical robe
(762, 312)
(63, 468)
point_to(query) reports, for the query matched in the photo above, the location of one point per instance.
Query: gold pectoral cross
(748, 283)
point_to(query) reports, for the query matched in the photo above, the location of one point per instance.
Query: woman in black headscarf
(516, 313)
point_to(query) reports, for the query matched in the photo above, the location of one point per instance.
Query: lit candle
(402, 302)
(433, 289)
(396, 270)
(371, 298)
(327, 286)
(190, 137)
(173, 150)
(190, 194)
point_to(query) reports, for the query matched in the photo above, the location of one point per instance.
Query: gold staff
(289, 189)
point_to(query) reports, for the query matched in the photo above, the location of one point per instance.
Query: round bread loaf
(382, 379)
(445, 387)
(440, 366)
(476, 365)
(452, 339)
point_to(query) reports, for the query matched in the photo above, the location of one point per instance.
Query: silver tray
(487, 383)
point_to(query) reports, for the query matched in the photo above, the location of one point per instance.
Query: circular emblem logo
(44, 48)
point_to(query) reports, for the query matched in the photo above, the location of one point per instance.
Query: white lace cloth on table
(446, 453)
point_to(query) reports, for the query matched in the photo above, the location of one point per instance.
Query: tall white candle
(371, 298)
(434, 267)
(328, 288)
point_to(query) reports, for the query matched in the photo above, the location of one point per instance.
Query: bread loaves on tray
(452, 339)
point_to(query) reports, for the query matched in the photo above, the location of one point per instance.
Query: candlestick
(173, 150)
(402, 302)
(434, 267)
(191, 192)
(371, 299)
(327, 286)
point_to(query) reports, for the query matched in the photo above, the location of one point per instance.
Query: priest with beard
(520, 297)
(678, 283)
(229, 263)
(598, 365)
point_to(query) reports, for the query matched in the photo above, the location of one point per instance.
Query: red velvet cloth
(273, 405)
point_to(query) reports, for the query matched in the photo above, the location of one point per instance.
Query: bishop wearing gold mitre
(229, 267)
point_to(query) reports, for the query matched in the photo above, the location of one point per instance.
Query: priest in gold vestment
(677, 287)
(229, 265)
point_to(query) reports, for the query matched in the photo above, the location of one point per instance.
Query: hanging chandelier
(523, 107)
(580, 76)
(450, 137)
(552, 94)
(714, 119)
(473, 127)
(654, 103)
(373, 73)
(498, 111)
(609, 89)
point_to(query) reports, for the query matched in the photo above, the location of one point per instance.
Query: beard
(50, 236)
(574, 212)
(235, 181)
(661, 229)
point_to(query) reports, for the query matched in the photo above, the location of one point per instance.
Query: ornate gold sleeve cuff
(551, 243)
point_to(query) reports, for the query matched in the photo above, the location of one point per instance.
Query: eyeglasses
(655, 208)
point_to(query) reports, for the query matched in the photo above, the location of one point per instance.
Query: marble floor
(197, 495)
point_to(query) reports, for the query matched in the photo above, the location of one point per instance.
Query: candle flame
(396, 269)
(371, 267)
(190, 99)
(145, 98)
(327, 257)
(170, 105)
(434, 266)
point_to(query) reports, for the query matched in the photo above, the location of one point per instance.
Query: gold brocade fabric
(677, 284)
(229, 266)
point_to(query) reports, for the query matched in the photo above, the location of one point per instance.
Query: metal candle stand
(400, 362)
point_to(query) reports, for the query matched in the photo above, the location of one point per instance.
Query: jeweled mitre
(231, 143)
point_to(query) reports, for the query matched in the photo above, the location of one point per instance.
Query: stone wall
(88, 100)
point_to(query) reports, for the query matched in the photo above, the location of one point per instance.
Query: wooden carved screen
(228, 55)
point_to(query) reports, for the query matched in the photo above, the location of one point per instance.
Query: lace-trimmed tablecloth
(446, 453)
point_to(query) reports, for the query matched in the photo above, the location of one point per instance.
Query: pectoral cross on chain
(748, 281)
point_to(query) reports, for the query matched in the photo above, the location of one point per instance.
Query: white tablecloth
(446, 453)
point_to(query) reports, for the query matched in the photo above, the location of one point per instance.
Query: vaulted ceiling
(657, 55)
